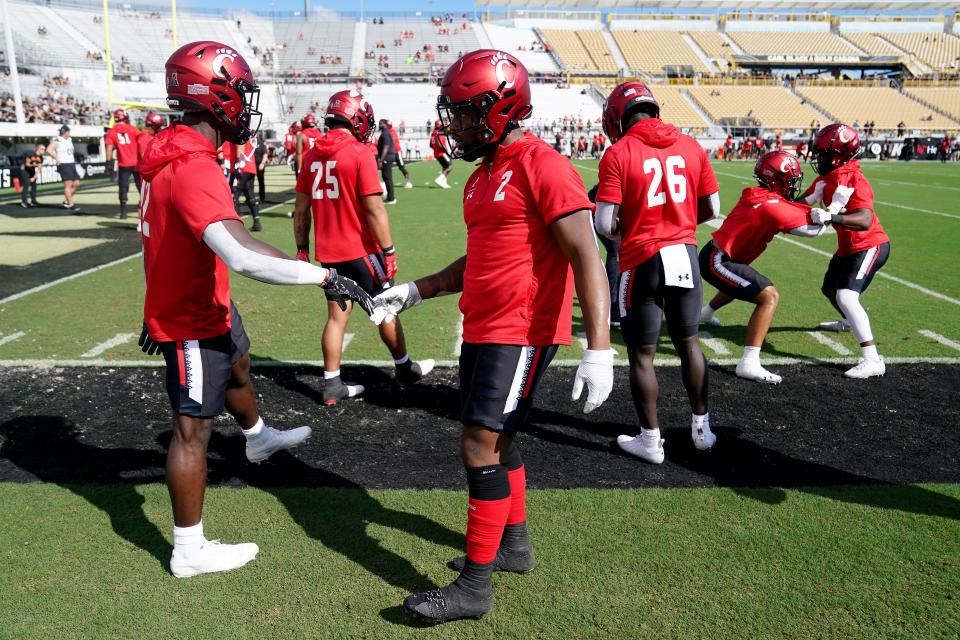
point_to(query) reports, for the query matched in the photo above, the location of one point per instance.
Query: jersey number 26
(676, 182)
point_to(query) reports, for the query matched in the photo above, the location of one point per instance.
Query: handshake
(384, 307)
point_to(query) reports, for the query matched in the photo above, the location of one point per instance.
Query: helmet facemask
(248, 120)
(474, 111)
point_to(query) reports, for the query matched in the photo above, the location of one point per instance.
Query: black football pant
(386, 173)
(123, 181)
(261, 180)
(26, 185)
(612, 265)
(246, 188)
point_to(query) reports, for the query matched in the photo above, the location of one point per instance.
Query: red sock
(488, 508)
(518, 495)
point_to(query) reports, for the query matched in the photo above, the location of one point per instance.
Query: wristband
(836, 219)
(389, 250)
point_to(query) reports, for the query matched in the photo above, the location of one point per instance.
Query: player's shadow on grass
(339, 518)
(48, 448)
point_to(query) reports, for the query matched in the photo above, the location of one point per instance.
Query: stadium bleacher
(882, 105)
(945, 99)
(792, 43)
(651, 51)
(941, 51)
(573, 49)
(773, 106)
(445, 42)
(524, 43)
(301, 45)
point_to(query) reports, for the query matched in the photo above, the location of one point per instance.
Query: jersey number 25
(333, 185)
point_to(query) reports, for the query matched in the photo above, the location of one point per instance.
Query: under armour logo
(684, 276)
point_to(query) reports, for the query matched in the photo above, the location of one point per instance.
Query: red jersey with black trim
(188, 285)
(289, 142)
(311, 135)
(759, 215)
(246, 160)
(438, 143)
(123, 137)
(655, 173)
(518, 284)
(337, 174)
(848, 186)
(143, 139)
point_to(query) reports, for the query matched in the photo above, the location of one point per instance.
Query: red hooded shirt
(759, 216)
(656, 174)
(188, 285)
(848, 186)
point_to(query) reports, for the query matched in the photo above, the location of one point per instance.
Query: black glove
(592, 194)
(147, 345)
(340, 288)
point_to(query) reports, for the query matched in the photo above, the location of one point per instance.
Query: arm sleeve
(606, 219)
(708, 180)
(368, 178)
(610, 188)
(203, 196)
(810, 230)
(256, 265)
(557, 187)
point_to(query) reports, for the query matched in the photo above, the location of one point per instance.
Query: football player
(440, 145)
(247, 171)
(191, 235)
(529, 243)
(761, 213)
(399, 151)
(339, 189)
(862, 245)
(290, 144)
(306, 138)
(151, 126)
(656, 186)
(123, 137)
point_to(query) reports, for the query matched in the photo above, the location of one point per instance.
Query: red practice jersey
(438, 144)
(229, 152)
(759, 216)
(289, 142)
(188, 286)
(123, 137)
(518, 285)
(246, 160)
(143, 139)
(655, 173)
(848, 186)
(311, 135)
(337, 173)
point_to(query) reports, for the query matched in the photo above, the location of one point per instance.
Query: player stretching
(351, 232)
(656, 185)
(191, 234)
(761, 214)
(862, 245)
(440, 145)
(306, 138)
(528, 221)
(123, 137)
(152, 125)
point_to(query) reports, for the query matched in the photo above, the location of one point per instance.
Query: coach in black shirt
(259, 156)
(388, 157)
(30, 161)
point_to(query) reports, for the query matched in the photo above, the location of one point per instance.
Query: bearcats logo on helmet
(504, 68)
(222, 54)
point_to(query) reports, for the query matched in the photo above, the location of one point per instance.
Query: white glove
(596, 371)
(820, 216)
(388, 304)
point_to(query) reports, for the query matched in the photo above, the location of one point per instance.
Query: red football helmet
(780, 172)
(154, 121)
(211, 77)
(624, 99)
(494, 87)
(351, 108)
(308, 121)
(437, 125)
(120, 116)
(834, 146)
(296, 127)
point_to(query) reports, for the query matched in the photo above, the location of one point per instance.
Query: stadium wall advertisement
(49, 173)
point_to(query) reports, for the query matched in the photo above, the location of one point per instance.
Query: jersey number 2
(676, 182)
(333, 185)
(504, 181)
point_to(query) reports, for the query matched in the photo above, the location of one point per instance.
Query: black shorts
(737, 280)
(199, 371)
(444, 161)
(497, 383)
(368, 272)
(855, 271)
(644, 299)
(68, 171)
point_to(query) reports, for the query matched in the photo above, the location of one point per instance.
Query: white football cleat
(704, 439)
(837, 325)
(634, 445)
(272, 440)
(757, 373)
(211, 557)
(408, 185)
(439, 181)
(866, 368)
(712, 321)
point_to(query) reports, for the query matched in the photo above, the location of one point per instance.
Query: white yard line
(458, 343)
(917, 210)
(707, 340)
(85, 272)
(115, 341)
(11, 337)
(347, 339)
(939, 338)
(829, 342)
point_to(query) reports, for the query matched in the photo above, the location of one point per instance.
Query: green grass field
(916, 203)
(89, 561)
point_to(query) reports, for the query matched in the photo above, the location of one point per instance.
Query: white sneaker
(272, 440)
(634, 445)
(394, 201)
(712, 321)
(212, 557)
(836, 325)
(704, 440)
(757, 373)
(439, 181)
(867, 368)
(408, 185)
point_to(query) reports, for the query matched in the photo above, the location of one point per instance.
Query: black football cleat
(469, 596)
(335, 390)
(412, 372)
(515, 554)
(256, 225)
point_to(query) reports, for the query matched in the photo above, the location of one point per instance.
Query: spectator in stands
(901, 128)
(61, 150)
(41, 30)
(30, 162)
